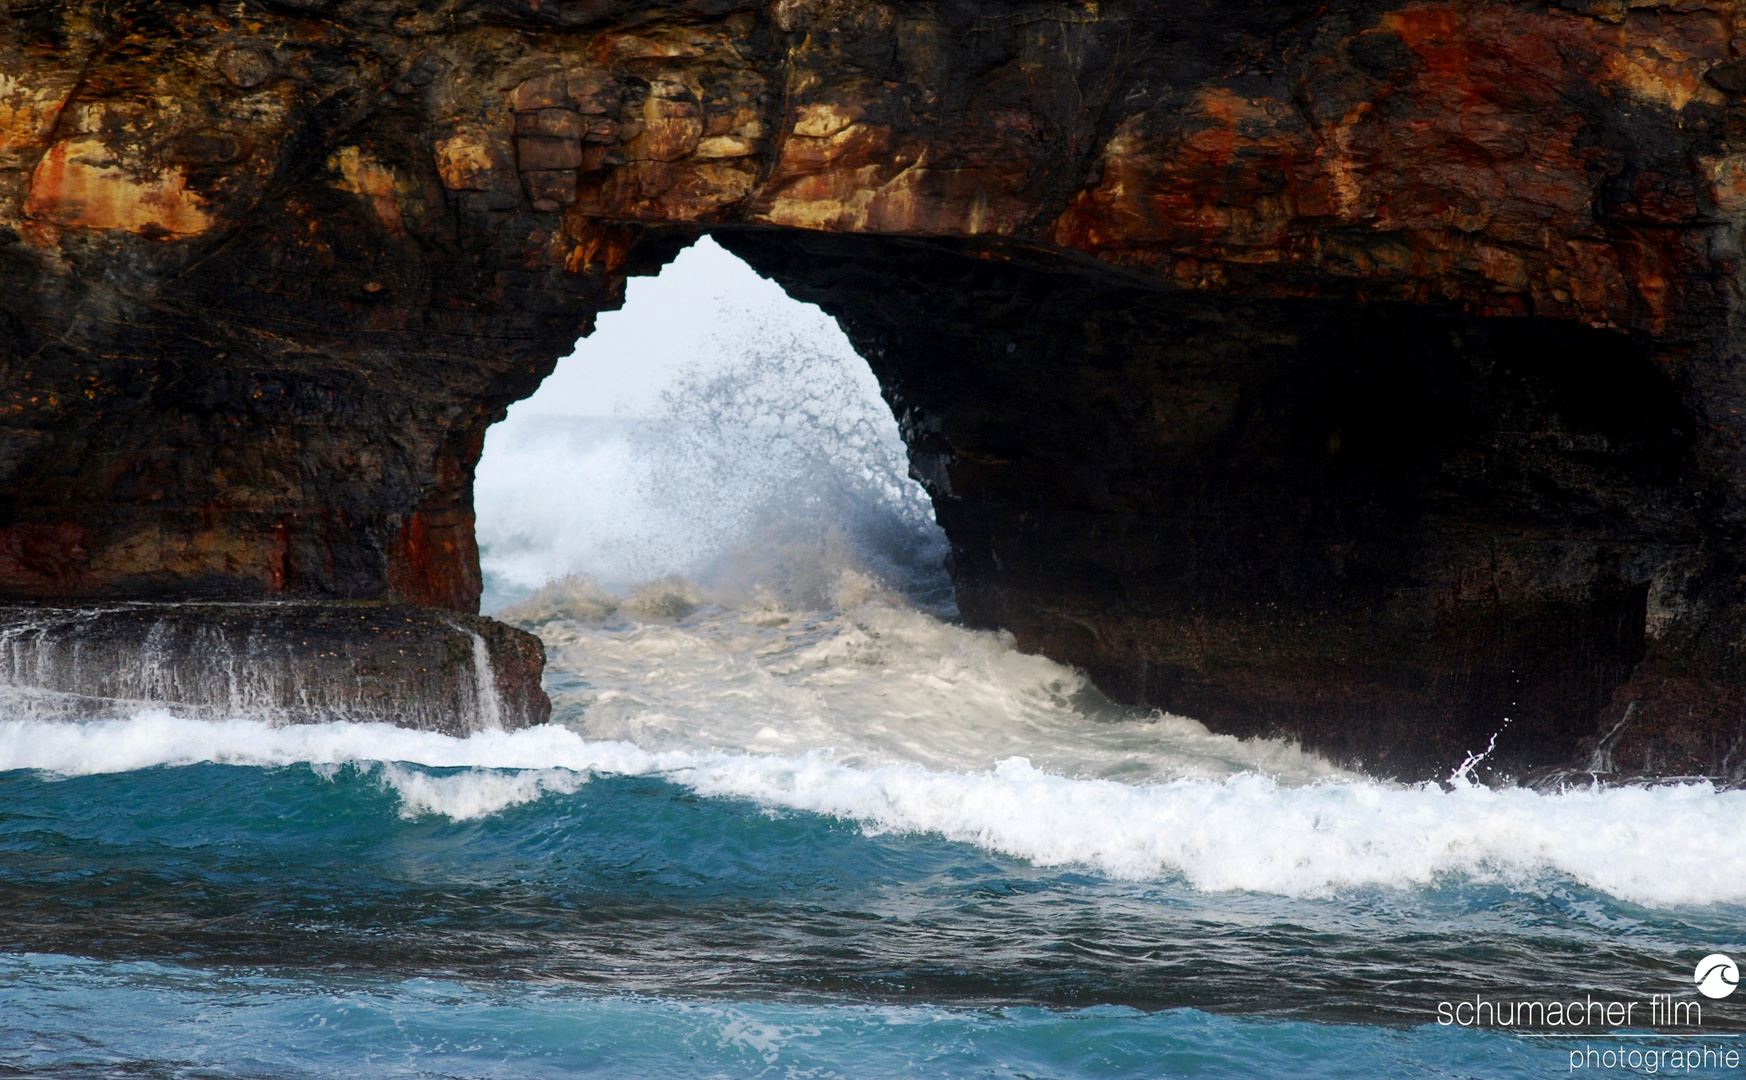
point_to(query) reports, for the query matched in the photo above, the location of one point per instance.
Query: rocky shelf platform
(282, 662)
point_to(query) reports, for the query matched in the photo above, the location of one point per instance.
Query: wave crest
(1660, 846)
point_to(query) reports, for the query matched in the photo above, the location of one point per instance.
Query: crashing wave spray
(812, 473)
(1649, 845)
(768, 476)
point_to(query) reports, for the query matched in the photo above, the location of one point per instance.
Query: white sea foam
(474, 793)
(157, 738)
(1669, 845)
(875, 683)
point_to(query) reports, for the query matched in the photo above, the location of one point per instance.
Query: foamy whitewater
(791, 819)
(1223, 814)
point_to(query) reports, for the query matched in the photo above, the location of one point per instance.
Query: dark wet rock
(284, 662)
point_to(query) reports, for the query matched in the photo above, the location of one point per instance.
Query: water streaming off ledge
(284, 663)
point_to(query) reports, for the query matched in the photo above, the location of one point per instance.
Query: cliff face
(1362, 371)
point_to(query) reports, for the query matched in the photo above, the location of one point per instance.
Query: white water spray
(1666, 846)
(490, 706)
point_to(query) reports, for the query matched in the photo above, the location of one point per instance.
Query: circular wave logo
(1716, 976)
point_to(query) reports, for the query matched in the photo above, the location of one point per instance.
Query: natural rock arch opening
(268, 274)
(1394, 531)
(712, 434)
(1383, 528)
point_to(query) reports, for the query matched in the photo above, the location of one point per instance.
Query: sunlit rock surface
(1366, 372)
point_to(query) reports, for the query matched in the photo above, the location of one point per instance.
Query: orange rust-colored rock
(1366, 372)
(435, 560)
(74, 186)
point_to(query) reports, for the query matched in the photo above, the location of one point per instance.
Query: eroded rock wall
(1389, 530)
(1373, 366)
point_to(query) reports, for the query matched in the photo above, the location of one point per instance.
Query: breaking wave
(761, 477)
(1661, 846)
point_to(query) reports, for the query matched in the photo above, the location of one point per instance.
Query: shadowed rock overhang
(1365, 372)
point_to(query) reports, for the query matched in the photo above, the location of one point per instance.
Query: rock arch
(1365, 372)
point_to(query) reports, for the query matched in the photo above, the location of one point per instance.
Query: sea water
(791, 819)
(860, 842)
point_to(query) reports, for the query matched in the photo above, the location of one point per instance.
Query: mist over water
(758, 461)
(769, 475)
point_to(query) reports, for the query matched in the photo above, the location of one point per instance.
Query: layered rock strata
(1366, 372)
(285, 662)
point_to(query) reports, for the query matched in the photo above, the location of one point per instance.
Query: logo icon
(1716, 976)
